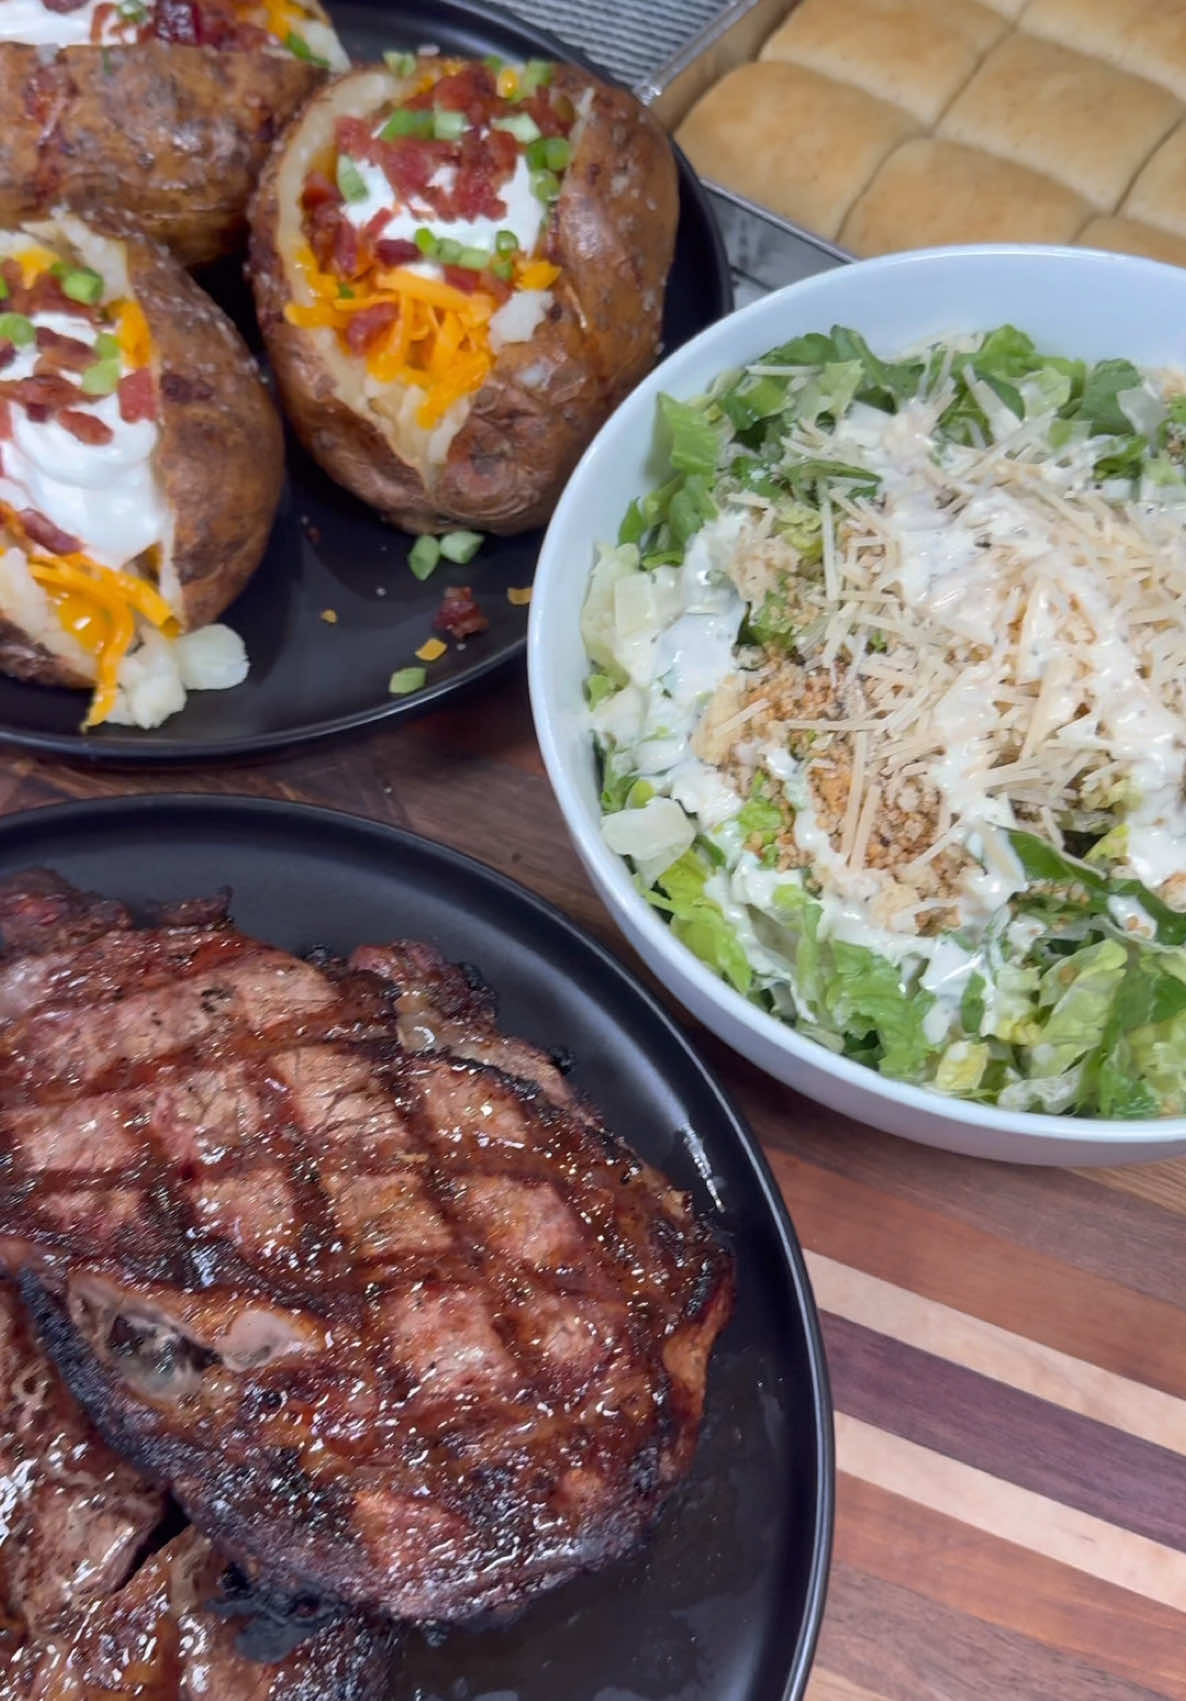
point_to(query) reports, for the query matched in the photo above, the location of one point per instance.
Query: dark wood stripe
(1053, 1212)
(1034, 1296)
(902, 1646)
(1009, 1434)
(890, 1537)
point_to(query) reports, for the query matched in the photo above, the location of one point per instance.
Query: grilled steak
(73, 1517)
(393, 1315)
(158, 1640)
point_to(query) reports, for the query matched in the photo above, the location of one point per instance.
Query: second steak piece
(401, 1327)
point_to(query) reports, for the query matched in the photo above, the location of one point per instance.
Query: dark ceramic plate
(310, 678)
(725, 1603)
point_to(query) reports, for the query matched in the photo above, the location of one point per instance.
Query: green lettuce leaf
(695, 440)
(699, 922)
(865, 996)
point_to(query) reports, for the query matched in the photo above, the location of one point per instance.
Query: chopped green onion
(503, 267)
(345, 293)
(406, 679)
(545, 185)
(80, 283)
(424, 556)
(461, 547)
(16, 329)
(350, 179)
(405, 122)
(107, 346)
(426, 242)
(537, 153)
(493, 63)
(134, 10)
(557, 153)
(448, 126)
(506, 242)
(3, 290)
(400, 64)
(300, 49)
(521, 125)
(101, 378)
(536, 74)
(449, 251)
(474, 259)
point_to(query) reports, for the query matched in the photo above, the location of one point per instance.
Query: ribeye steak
(390, 1311)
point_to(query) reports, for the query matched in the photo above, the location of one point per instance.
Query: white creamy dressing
(104, 494)
(28, 21)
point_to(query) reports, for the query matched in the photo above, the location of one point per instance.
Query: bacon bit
(320, 192)
(378, 222)
(346, 249)
(7, 355)
(87, 427)
(464, 278)
(137, 396)
(46, 390)
(519, 595)
(63, 5)
(367, 326)
(40, 530)
(459, 614)
(5, 422)
(45, 295)
(396, 251)
(470, 90)
(54, 342)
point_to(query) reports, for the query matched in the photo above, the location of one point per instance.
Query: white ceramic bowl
(1070, 300)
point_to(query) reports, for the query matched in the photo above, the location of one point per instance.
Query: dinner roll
(1129, 236)
(1147, 37)
(928, 193)
(917, 53)
(1062, 113)
(799, 143)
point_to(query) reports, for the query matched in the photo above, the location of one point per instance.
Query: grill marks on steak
(403, 1324)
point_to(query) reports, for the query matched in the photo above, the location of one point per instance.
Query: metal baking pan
(766, 251)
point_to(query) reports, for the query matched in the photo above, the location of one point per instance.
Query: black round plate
(725, 1602)
(310, 677)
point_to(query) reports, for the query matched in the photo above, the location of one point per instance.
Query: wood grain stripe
(1121, 1633)
(1086, 1317)
(1162, 1184)
(830, 1686)
(1014, 1514)
(999, 1353)
(1052, 1212)
(1097, 1469)
(886, 1638)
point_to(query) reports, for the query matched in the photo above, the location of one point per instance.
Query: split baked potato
(141, 462)
(158, 111)
(459, 271)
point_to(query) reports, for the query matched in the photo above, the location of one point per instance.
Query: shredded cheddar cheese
(431, 650)
(132, 334)
(438, 342)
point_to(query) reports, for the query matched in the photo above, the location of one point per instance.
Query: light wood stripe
(830, 1686)
(1014, 1514)
(1162, 1184)
(998, 1353)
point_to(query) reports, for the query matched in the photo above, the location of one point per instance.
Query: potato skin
(172, 137)
(612, 233)
(220, 458)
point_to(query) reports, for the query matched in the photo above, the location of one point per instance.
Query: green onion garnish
(426, 242)
(474, 259)
(16, 329)
(545, 185)
(424, 556)
(350, 179)
(406, 679)
(536, 74)
(449, 251)
(80, 283)
(101, 378)
(400, 64)
(506, 242)
(557, 153)
(461, 547)
(503, 267)
(405, 122)
(448, 126)
(107, 346)
(300, 49)
(521, 125)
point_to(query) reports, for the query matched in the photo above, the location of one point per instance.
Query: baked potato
(459, 271)
(141, 462)
(162, 109)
